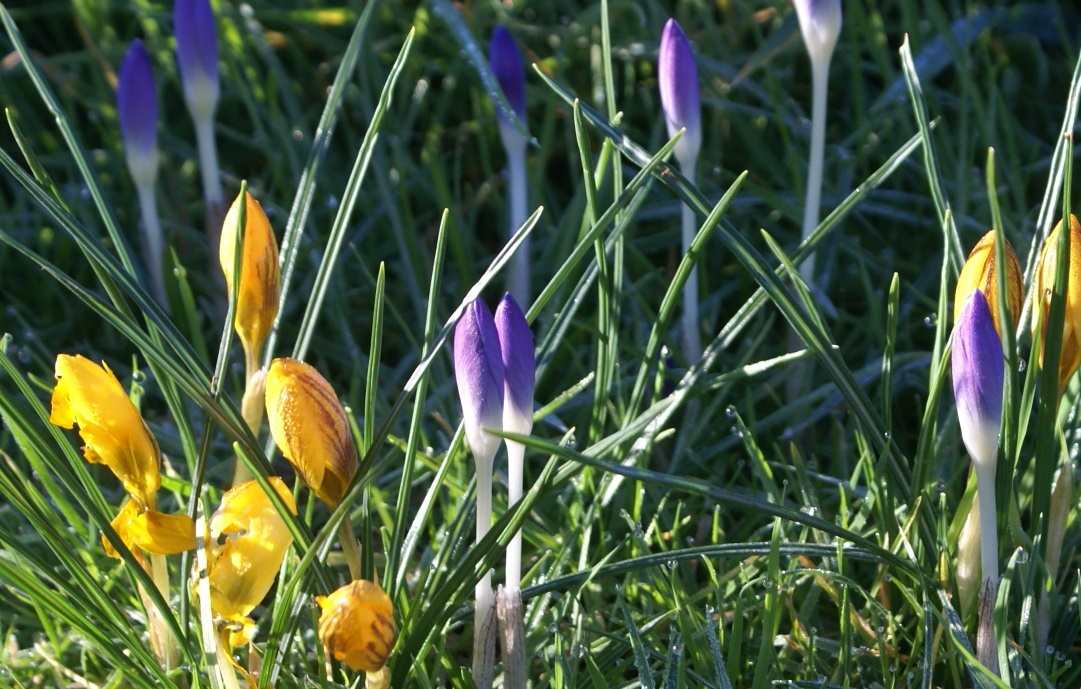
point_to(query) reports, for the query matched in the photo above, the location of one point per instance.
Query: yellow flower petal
(243, 567)
(164, 534)
(357, 625)
(981, 273)
(122, 525)
(114, 433)
(310, 428)
(1042, 289)
(257, 294)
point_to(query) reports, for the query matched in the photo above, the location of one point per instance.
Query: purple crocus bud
(478, 370)
(137, 105)
(197, 54)
(506, 61)
(519, 365)
(678, 80)
(820, 23)
(978, 379)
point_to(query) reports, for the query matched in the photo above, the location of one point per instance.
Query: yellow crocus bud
(1042, 289)
(981, 273)
(310, 428)
(357, 625)
(258, 291)
(242, 569)
(111, 427)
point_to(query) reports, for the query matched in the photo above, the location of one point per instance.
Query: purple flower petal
(137, 102)
(977, 365)
(506, 62)
(478, 370)
(197, 52)
(677, 76)
(519, 365)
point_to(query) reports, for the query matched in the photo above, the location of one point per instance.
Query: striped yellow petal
(357, 625)
(980, 272)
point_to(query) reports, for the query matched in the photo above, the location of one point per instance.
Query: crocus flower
(820, 23)
(677, 77)
(254, 540)
(506, 62)
(258, 289)
(137, 106)
(478, 369)
(310, 428)
(357, 625)
(981, 273)
(978, 378)
(111, 427)
(197, 55)
(519, 365)
(1042, 289)
(978, 370)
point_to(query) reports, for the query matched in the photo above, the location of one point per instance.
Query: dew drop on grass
(298, 135)
(577, 650)
(730, 410)
(931, 321)
(1021, 365)
(138, 377)
(1060, 656)
(808, 509)
(887, 436)
(1022, 556)
(737, 432)
(671, 564)
(1050, 650)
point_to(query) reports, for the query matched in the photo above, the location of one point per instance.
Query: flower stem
(213, 197)
(986, 646)
(518, 281)
(820, 70)
(350, 548)
(692, 343)
(484, 617)
(159, 572)
(153, 243)
(515, 471)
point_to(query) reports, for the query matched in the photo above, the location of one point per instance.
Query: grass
(685, 523)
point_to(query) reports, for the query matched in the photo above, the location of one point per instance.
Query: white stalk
(986, 647)
(154, 244)
(213, 196)
(484, 616)
(515, 471)
(692, 343)
(518, 283)
(820, 71)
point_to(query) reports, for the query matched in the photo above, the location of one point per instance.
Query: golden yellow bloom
(115, 434)
(154, 532)
(1070, 356)
(257, 294)
(357, 625)
(981, 273)
(242, 569)
(310, 428)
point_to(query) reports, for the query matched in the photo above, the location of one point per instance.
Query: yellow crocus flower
(258, 291)
(1070, 355)
(113, 431)
(242, 569)
(310, 428)
(357, 625)
(981, 273)
(154, 532)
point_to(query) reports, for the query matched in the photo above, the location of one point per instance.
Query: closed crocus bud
(254, 540)
(357, 625)
(111, 427)
(310, 428)
(478, 370)
(677, 77)
(820, 23)
(258, 291)
(519, 365)
(980, 272)
(137, 106)
(197, 55)
(506, 63)
(977, 380)
(1042, 289)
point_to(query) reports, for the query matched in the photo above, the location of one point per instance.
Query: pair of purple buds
(197, 57)
(494, 366)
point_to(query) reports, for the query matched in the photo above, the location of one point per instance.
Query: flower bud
(677, 77)
(310, 428)
(980, 272)
(977, 368)
(137, 107)
(1043, 288)
(820, 24)
(258, 291)
(197, 55)
(519, 365)
(478, 370)
(506, 62)
(357, 625)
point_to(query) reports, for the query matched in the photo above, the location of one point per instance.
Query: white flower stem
(986, 646)
(820, 71)
(692, 343)
(518, 282)
(159, 572)
(515, 470)
(213, 197)
(153, 243)
(484, 628)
